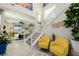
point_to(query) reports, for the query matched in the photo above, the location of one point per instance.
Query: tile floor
(21, 48)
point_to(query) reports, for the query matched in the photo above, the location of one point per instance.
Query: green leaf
(72, 19)
(75, 18)
(77, 39)
(76, 35)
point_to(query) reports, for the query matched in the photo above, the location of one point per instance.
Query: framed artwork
(29, 6)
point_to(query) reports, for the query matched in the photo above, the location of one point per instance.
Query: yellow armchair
(44, 42)
(59, 47)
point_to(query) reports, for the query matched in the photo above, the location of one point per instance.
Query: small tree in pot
(73, 21)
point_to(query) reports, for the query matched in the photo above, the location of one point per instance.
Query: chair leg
(49, 45)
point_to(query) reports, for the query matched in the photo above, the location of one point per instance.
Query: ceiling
(19, 13)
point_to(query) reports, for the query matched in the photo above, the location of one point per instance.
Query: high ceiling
(16, 12)
(21, 10)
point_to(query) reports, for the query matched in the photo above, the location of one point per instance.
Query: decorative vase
(3, 46)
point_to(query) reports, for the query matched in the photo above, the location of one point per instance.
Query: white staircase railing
(50, 18)
(35, 36)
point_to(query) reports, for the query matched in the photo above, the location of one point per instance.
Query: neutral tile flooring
(21, 48)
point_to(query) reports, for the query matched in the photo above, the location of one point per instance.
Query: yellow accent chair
(44, 42)
(59, 47)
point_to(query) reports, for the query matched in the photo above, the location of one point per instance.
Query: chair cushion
(59, 46)
(44, 42)
(58, 50)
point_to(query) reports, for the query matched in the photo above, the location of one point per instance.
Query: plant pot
(3, 46)
(75, 45)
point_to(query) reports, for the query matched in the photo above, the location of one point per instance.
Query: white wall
(0, 21)
(60, 31)
(48, 30)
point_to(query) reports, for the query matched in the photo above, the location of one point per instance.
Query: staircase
(57, 12)
(35, 36)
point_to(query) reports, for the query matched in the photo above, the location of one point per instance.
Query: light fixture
(39, 18)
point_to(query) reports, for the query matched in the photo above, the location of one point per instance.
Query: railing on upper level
(50, 18)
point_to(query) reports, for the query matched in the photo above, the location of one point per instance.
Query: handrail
(29, 36)
(55, 17)
(49, 15)
(37, 39)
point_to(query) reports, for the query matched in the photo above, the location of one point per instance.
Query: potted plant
(72, 21)
(3, 43)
